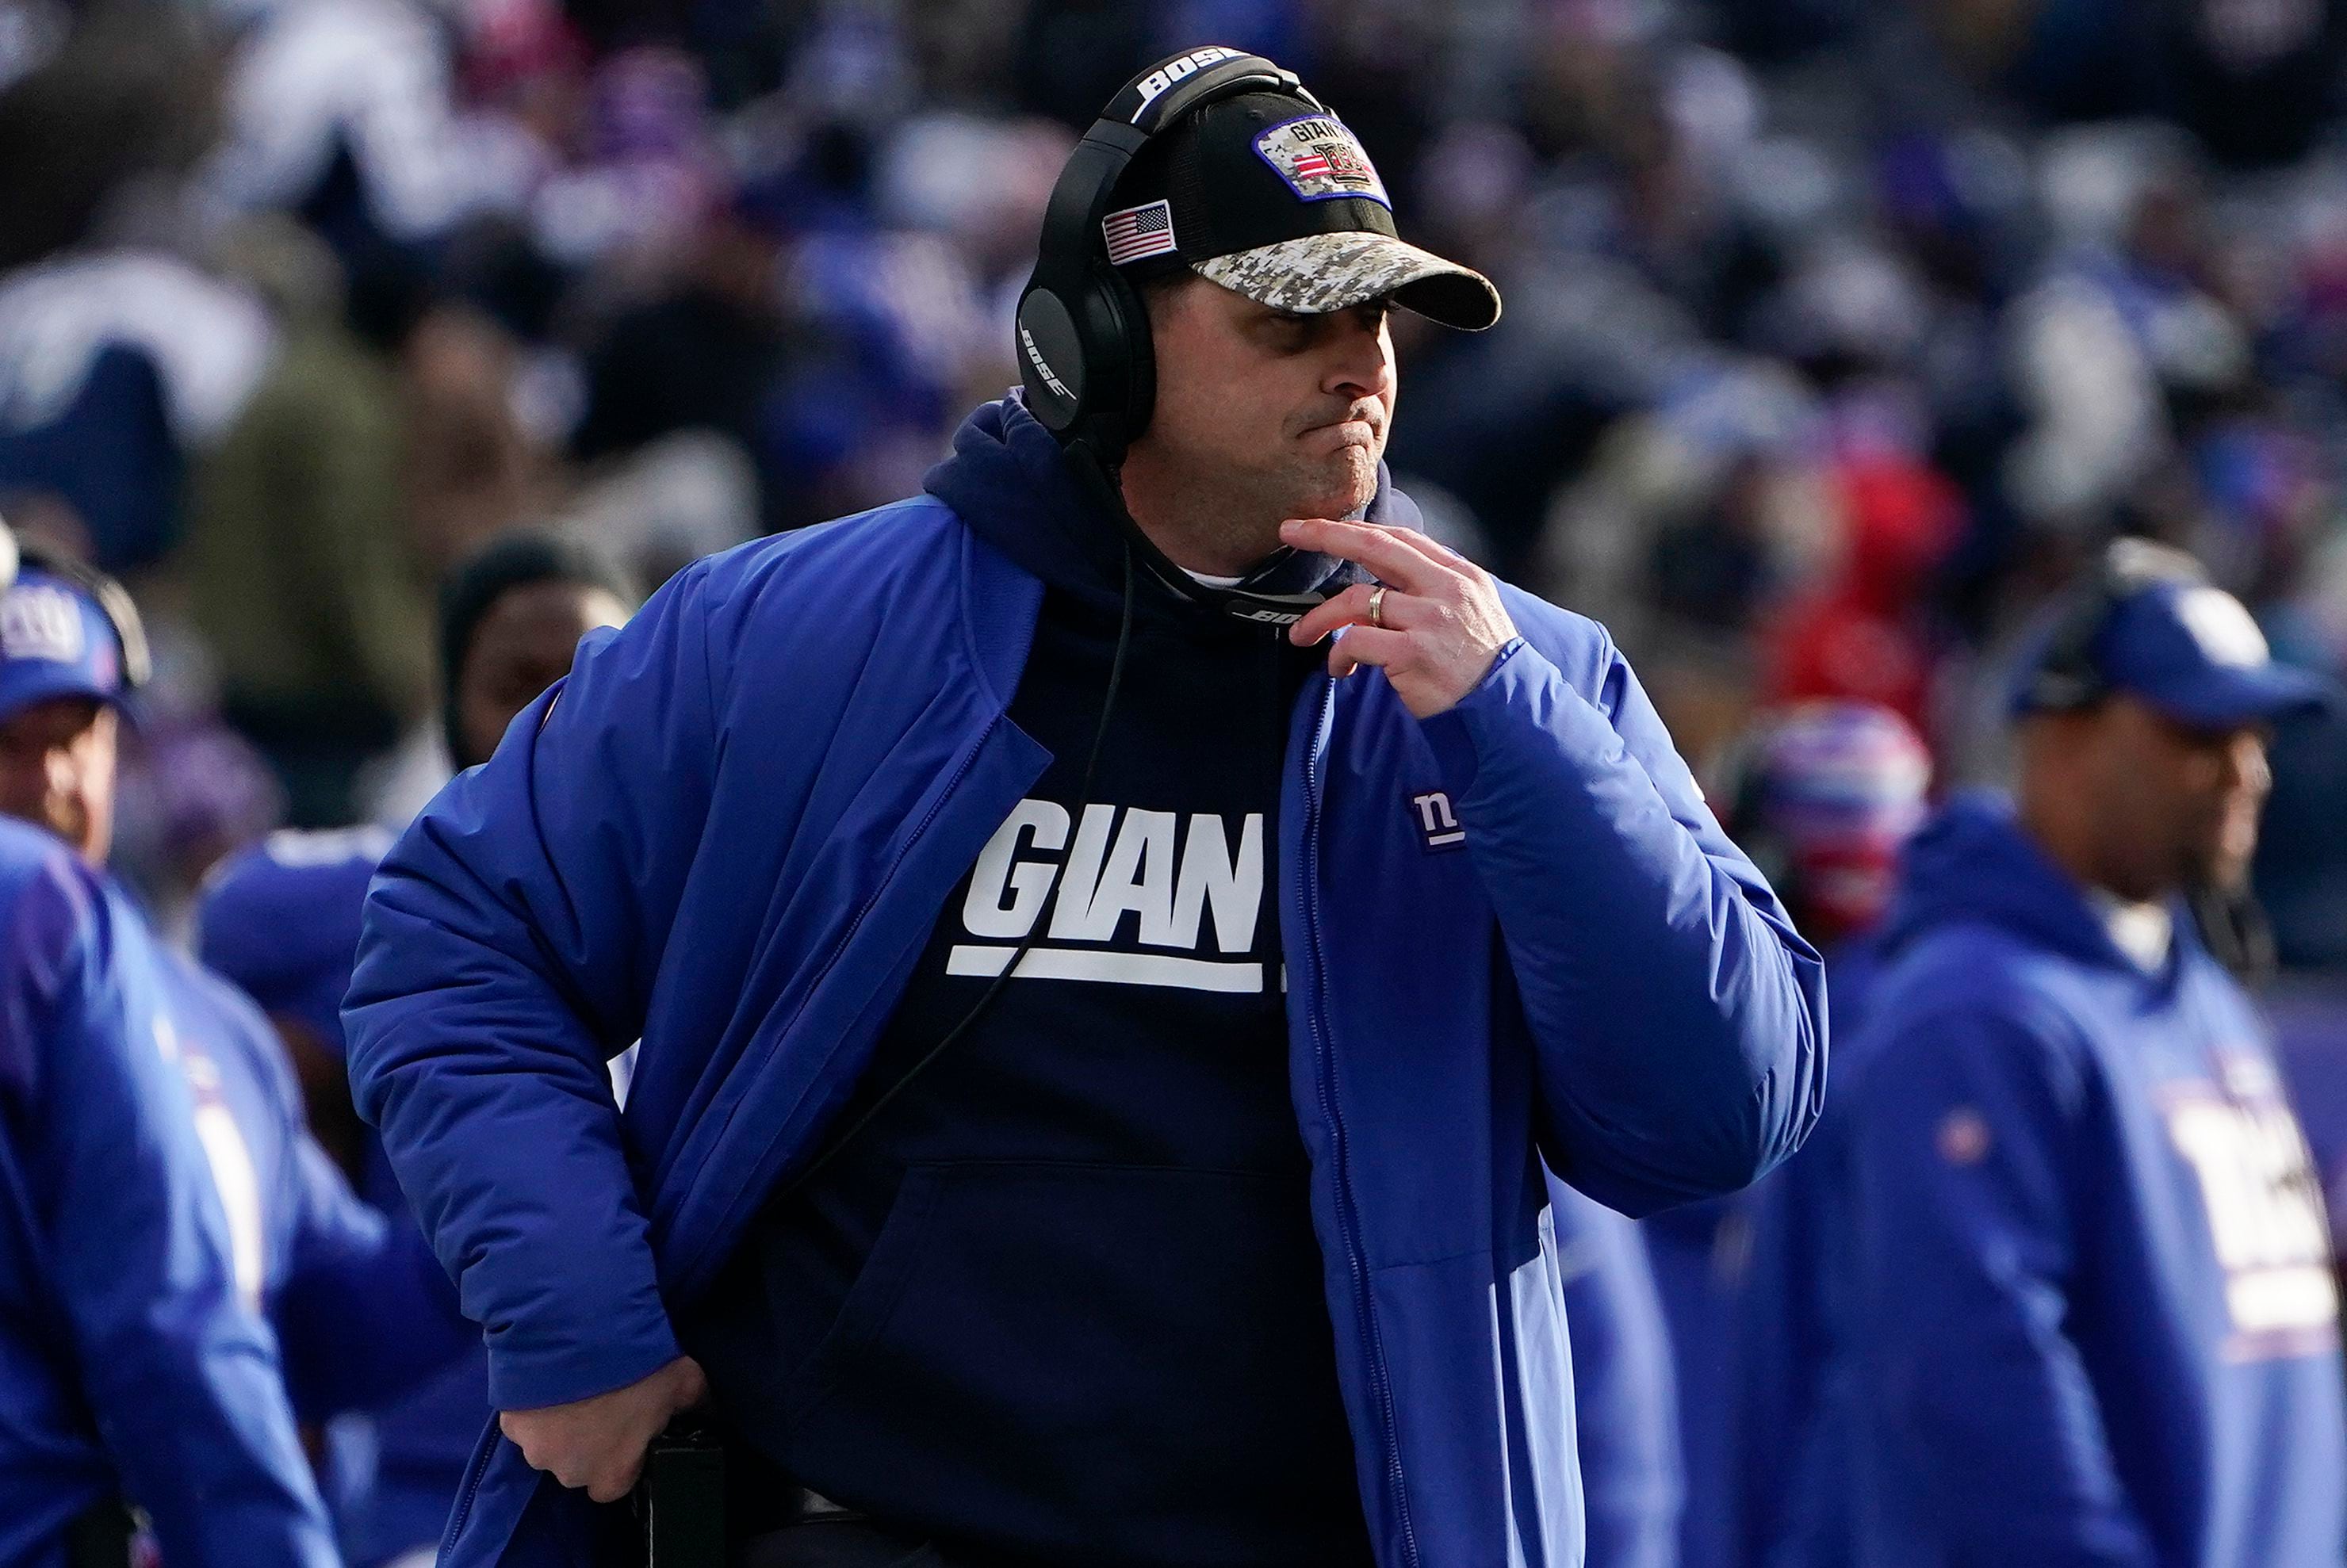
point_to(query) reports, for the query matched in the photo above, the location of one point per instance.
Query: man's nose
(1363, 364)
(2245, 767)
(58, 766)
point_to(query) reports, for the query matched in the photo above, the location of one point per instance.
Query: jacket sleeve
(180, 1370)
(1967, 1226)
(1625, 1402)
(510, 943)
(1677, 1016)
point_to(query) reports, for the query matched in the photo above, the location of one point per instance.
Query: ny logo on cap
(1320, 159)
(38, 620)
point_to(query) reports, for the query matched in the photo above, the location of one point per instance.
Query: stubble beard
(2216, 867)
(1233, 516)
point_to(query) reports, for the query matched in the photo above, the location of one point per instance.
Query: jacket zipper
(1348, 1218)
(464, 1509)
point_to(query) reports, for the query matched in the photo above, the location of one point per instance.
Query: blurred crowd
(1839, 337)
(1837, 333)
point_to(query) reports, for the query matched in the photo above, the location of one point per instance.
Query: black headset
(2066, 676)
(1085, 361)
(112, 599)
(1083, 334)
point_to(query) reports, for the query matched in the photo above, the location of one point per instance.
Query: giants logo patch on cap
(1321, 160)
(39, 621)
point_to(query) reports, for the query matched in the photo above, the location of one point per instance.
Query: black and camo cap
(1270, 195)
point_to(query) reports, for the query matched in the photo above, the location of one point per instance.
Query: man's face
(2180, 804)
(57, 769)
(522, 646)
(1289, 413)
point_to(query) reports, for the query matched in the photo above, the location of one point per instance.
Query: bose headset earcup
(1091, 379)
(1084, 354)
(1051, 361)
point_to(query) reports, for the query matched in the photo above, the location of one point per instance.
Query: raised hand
(1438, 621)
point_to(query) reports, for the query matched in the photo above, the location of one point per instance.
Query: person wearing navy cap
(2092, 1316)
(182, 1270)
(62, 680)
(282, 920)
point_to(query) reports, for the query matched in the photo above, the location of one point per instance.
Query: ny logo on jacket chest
(1178, 873)
(1437, 824)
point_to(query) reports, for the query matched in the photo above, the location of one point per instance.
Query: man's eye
(1287, 329)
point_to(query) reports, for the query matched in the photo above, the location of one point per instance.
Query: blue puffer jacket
(182, 1270)
(2090, 1319)
(729, 833)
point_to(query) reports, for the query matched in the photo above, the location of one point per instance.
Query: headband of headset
(2068, 676)
(112, 599)
(1083, 337)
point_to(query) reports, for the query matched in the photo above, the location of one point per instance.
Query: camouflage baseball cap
(1270, 195)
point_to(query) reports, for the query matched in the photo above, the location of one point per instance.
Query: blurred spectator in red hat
(1869, 635)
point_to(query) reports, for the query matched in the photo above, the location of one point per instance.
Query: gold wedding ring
(1378, 606)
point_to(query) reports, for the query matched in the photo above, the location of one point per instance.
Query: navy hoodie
(2094, 1314)
(1060, 1300)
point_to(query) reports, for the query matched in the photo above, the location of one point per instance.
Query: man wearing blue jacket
(2094, 1315)
(177, 1256)
(281, 920)
(1625, 1405)
(1825, 801)
(1098, 1059)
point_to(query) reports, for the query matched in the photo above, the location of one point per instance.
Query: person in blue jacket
(2309, 1022)
(1626, 1407)
(1099, 1051)
(1827, 794)
(2093, 1309)
(185, 1272)
(281, 920)
(1838, 790)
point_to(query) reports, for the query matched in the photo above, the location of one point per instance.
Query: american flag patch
(1138, 232)
(1312, 166)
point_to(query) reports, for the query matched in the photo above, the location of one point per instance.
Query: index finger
(1392, 560)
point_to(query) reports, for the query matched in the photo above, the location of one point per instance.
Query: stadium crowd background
(1838, 334)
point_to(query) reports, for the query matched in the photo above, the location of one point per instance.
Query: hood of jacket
(1972, 861)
